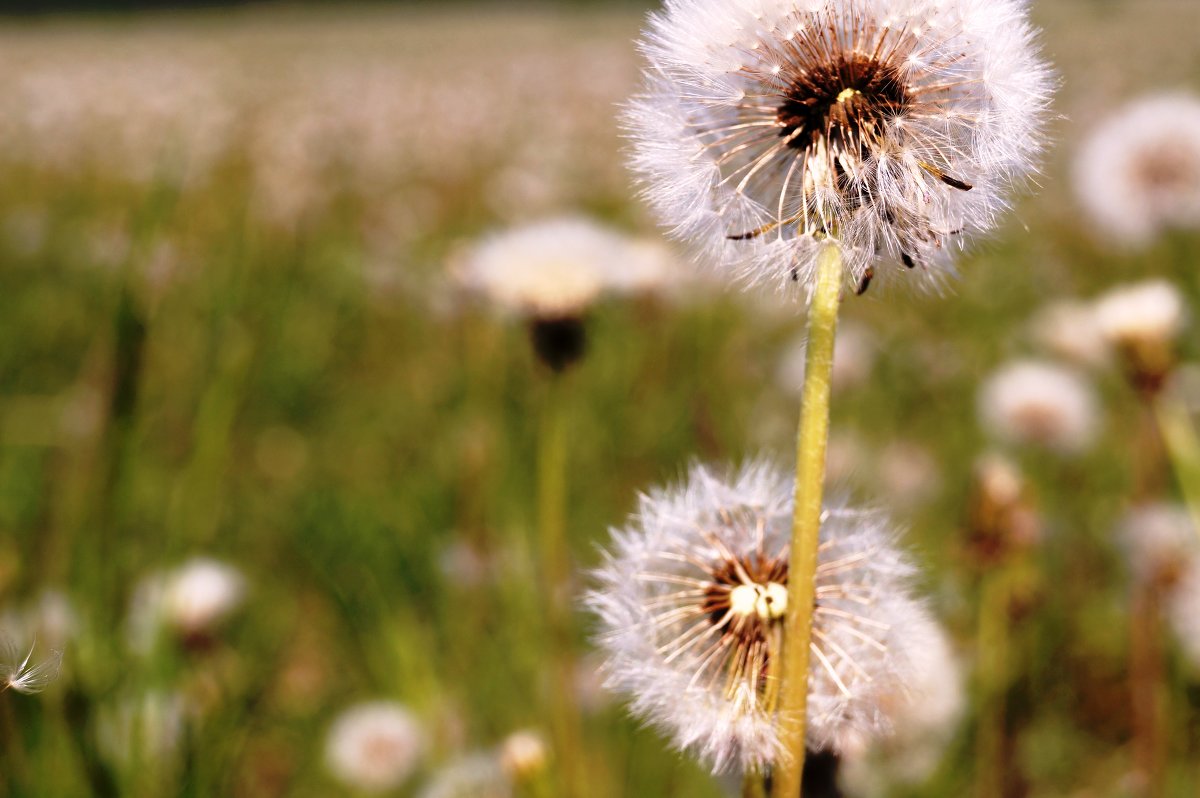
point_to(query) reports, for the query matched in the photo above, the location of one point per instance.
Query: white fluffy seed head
(201, 594)
(924, 721)
(1039, 403)
(1183, 610)
(524, 754)
(1139, 172)
(374, 746)
(1152, 311)
(895, 127)
(691, 624)
(1069, 329)
(1159, 539)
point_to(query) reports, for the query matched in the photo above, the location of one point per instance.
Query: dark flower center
(846, 100)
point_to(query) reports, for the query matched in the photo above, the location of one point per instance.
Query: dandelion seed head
(551, 269)
(1159, 540)
(1138, 174)
(201, 594)
(895, 127)
(523, 754)
(1143, 322)
(1070, 330)
(691, 603)
(1031, 402)
(374, 746)
(1183, 610)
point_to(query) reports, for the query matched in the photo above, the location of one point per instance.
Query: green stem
(753, 785)
(992, 676)
(556, 572)
(1183, 448)
(811, 442)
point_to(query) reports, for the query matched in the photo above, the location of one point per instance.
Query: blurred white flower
(1039, 403)
(523, 754)
(477, 775)
(1159, 540)
(551, 269)
(691, 604)
(1069, 329)
(895, 127)
(374, 746)
(924, 721)
(1139, 172)
(192, 601)
(21, 673)
(1143, 321)
(1183, 610)
(854, 352)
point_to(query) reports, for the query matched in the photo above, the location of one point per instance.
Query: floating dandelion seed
(895, 127)
(375, 746)
(1139, 173)
(21, 674)
(1033, 402)
(691, 606)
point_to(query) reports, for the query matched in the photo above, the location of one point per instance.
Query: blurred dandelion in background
(1030, 402)
(374, 747)
(1138, 174)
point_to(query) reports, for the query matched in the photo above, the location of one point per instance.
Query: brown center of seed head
(847, 101)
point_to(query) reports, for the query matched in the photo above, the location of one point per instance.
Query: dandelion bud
(374, 747)
(1002, 518)
(692, 600)
(1143, 323)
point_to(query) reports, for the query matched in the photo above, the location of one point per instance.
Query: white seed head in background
(691, 602)
(896, 127)
(556, 268)
(1031, 402)
(1152, 310)
(374, 746)
(924, 720)
(21, 672)
(1183, 611)
(524, 754)
(478, 775)
(201, 594)
(1159, 540)
(1138, 174)
(1068, 329)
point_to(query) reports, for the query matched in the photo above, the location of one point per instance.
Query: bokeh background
(228, 330)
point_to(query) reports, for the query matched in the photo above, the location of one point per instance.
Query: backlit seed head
(692, 600)
(895, 127)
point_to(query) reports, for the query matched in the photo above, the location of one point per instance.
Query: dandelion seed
(1032, 402)
(21, 673)
(375, 746)
(1138, 175)
(1143, 322)
(895, 127)
(691, 605)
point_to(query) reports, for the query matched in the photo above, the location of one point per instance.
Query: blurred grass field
(226, 329)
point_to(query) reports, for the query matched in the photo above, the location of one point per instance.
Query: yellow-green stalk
(811, 441)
